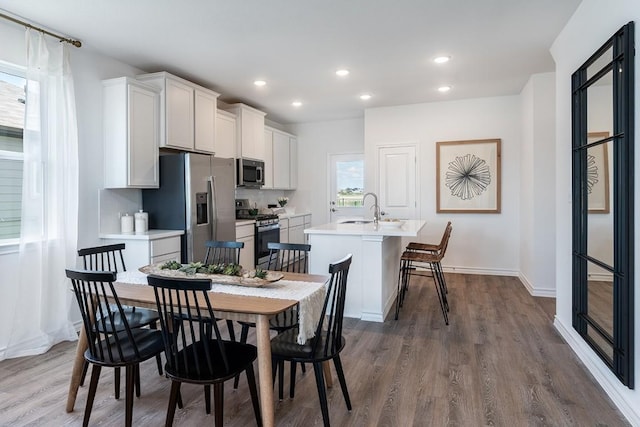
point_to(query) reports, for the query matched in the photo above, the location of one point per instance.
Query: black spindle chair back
(290, 257)
(219, 251)
(104, 258)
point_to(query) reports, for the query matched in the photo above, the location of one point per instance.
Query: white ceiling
(296, 46)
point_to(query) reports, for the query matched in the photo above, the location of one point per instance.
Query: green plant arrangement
(282, 201)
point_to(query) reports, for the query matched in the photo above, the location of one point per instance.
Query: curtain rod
(76, 43)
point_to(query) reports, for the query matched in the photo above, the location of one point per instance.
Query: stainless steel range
(267, 229)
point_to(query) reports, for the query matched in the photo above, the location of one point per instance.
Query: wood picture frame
(468, 176)
(598, 174)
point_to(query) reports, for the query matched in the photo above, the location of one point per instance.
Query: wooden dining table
(245, 308)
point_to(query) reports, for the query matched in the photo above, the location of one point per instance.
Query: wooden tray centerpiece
(227, 274)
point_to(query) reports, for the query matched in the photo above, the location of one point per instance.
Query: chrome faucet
(376, 208)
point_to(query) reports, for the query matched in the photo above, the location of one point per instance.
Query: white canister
(126, 224)
(141, 222)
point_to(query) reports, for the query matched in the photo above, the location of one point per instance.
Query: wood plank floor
(499, 362)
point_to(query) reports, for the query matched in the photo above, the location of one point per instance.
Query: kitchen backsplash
(261, 197)
(114, 202)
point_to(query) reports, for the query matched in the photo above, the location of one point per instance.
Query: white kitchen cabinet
(249, 131)
(205, 109)
(187, 113)
(269, 171)
(130, 130)
(281, 156)
(246, 233)
(296, 229)
(153, 247)
(278, 160)
(284, 230)
(226, 135)
(293, 163)
(307, 224)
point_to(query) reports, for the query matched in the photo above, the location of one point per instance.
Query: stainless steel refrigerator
(197, 195)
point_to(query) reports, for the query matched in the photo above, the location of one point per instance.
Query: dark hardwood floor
(499, 362)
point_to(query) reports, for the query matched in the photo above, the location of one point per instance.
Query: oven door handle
(267, 227)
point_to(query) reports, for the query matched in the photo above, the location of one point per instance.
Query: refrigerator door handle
(213, 208)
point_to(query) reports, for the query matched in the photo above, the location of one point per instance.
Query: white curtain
(48, 237)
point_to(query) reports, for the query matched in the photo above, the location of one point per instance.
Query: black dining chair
(218, 252)
(111, 258)
(287, 257)
(195, 351)
(328, 341)
(112, 342)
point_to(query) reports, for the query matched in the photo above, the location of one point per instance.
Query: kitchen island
(376, 249)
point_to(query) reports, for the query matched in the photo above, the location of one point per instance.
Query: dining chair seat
(286, 343)
(239, 357)
(148, 344)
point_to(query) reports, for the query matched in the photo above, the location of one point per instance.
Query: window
(349, 183)
(12, 103)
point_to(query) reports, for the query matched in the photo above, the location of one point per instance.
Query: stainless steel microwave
(250, 173)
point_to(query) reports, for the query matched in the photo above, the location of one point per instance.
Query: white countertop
(240, 222)
(149, 235)
(410, 228)
(288, 215)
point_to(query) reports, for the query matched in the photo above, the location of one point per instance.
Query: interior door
(346, 186)
(397, 181)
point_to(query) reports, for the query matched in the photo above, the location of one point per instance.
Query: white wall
(592, 24)
(537, 173)
(316, 141)
(426, 124)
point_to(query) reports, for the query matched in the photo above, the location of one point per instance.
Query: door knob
(334, 210)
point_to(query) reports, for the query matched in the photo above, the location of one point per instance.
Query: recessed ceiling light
(342, 73)
(365, 96)
(259, 83)
(444, 88)
(441, 59)
(296, 103)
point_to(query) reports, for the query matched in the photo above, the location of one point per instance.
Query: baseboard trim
(536, 292)
(600, 372)
(480, 271)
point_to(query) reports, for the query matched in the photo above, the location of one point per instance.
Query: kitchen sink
(356, 221)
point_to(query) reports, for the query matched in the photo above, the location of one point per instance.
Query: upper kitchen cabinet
(268, 159)
(293, 162)
(281, 156)
(226, 135)
(280, 160)
(131, 132)
(249, 131)
(187, 113)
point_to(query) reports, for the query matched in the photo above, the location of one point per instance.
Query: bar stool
(434, 249)
(420, 257)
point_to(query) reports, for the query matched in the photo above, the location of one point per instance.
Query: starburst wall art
(468, 176)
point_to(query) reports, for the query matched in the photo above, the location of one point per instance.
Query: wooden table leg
(76, 373)
(328, 379)
(267, 403)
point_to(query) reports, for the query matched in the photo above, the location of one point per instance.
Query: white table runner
(310, 297)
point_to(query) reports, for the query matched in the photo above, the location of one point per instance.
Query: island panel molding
(468, 176)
